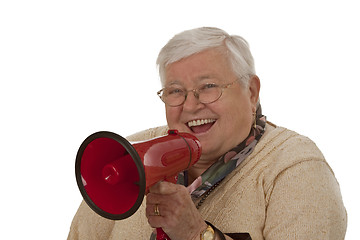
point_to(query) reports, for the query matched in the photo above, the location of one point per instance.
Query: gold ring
(156, 210)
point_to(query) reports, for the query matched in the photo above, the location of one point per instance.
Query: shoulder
(148, 134)
(87, 224)
(282, 148)
(283, 152)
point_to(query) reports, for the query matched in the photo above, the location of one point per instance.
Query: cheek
(237, 119)
(172, 116)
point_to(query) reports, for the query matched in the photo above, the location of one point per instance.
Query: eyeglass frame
(197, 93)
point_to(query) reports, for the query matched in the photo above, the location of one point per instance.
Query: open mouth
(200, 125)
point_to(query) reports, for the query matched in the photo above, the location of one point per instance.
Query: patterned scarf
(226, 163)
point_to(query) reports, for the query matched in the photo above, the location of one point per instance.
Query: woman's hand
(178, 217)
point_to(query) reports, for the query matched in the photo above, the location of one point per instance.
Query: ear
(254, 90)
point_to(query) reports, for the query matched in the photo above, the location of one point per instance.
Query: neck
(198, 169)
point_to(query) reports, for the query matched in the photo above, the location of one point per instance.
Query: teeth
(200, 122)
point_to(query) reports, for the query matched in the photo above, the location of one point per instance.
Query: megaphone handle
(161, 235)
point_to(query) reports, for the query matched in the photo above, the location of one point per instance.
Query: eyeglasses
(207, 93)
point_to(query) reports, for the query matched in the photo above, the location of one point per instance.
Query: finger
(155, 220)
(164, 188)
(155, 210)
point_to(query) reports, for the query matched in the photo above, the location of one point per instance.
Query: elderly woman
(253, 176)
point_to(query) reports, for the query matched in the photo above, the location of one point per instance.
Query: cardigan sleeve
(89, 225)
(305, 203)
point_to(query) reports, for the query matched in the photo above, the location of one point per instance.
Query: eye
(208, 86)
(174, 91)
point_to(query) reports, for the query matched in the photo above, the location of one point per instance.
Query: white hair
(197, 40)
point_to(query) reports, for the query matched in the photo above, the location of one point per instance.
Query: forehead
(209, 64)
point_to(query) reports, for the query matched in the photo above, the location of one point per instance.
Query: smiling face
(220, 125)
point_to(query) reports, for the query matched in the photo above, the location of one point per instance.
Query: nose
(192, 101)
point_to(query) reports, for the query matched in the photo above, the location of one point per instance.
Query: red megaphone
(113, 175)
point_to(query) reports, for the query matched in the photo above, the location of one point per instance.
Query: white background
(70, 68)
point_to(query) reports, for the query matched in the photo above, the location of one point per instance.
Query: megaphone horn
(113, 175)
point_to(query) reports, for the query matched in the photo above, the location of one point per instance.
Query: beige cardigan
(283, 190)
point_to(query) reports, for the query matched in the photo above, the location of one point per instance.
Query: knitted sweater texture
(284, 190)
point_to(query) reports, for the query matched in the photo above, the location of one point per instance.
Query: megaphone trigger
(172, 179)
